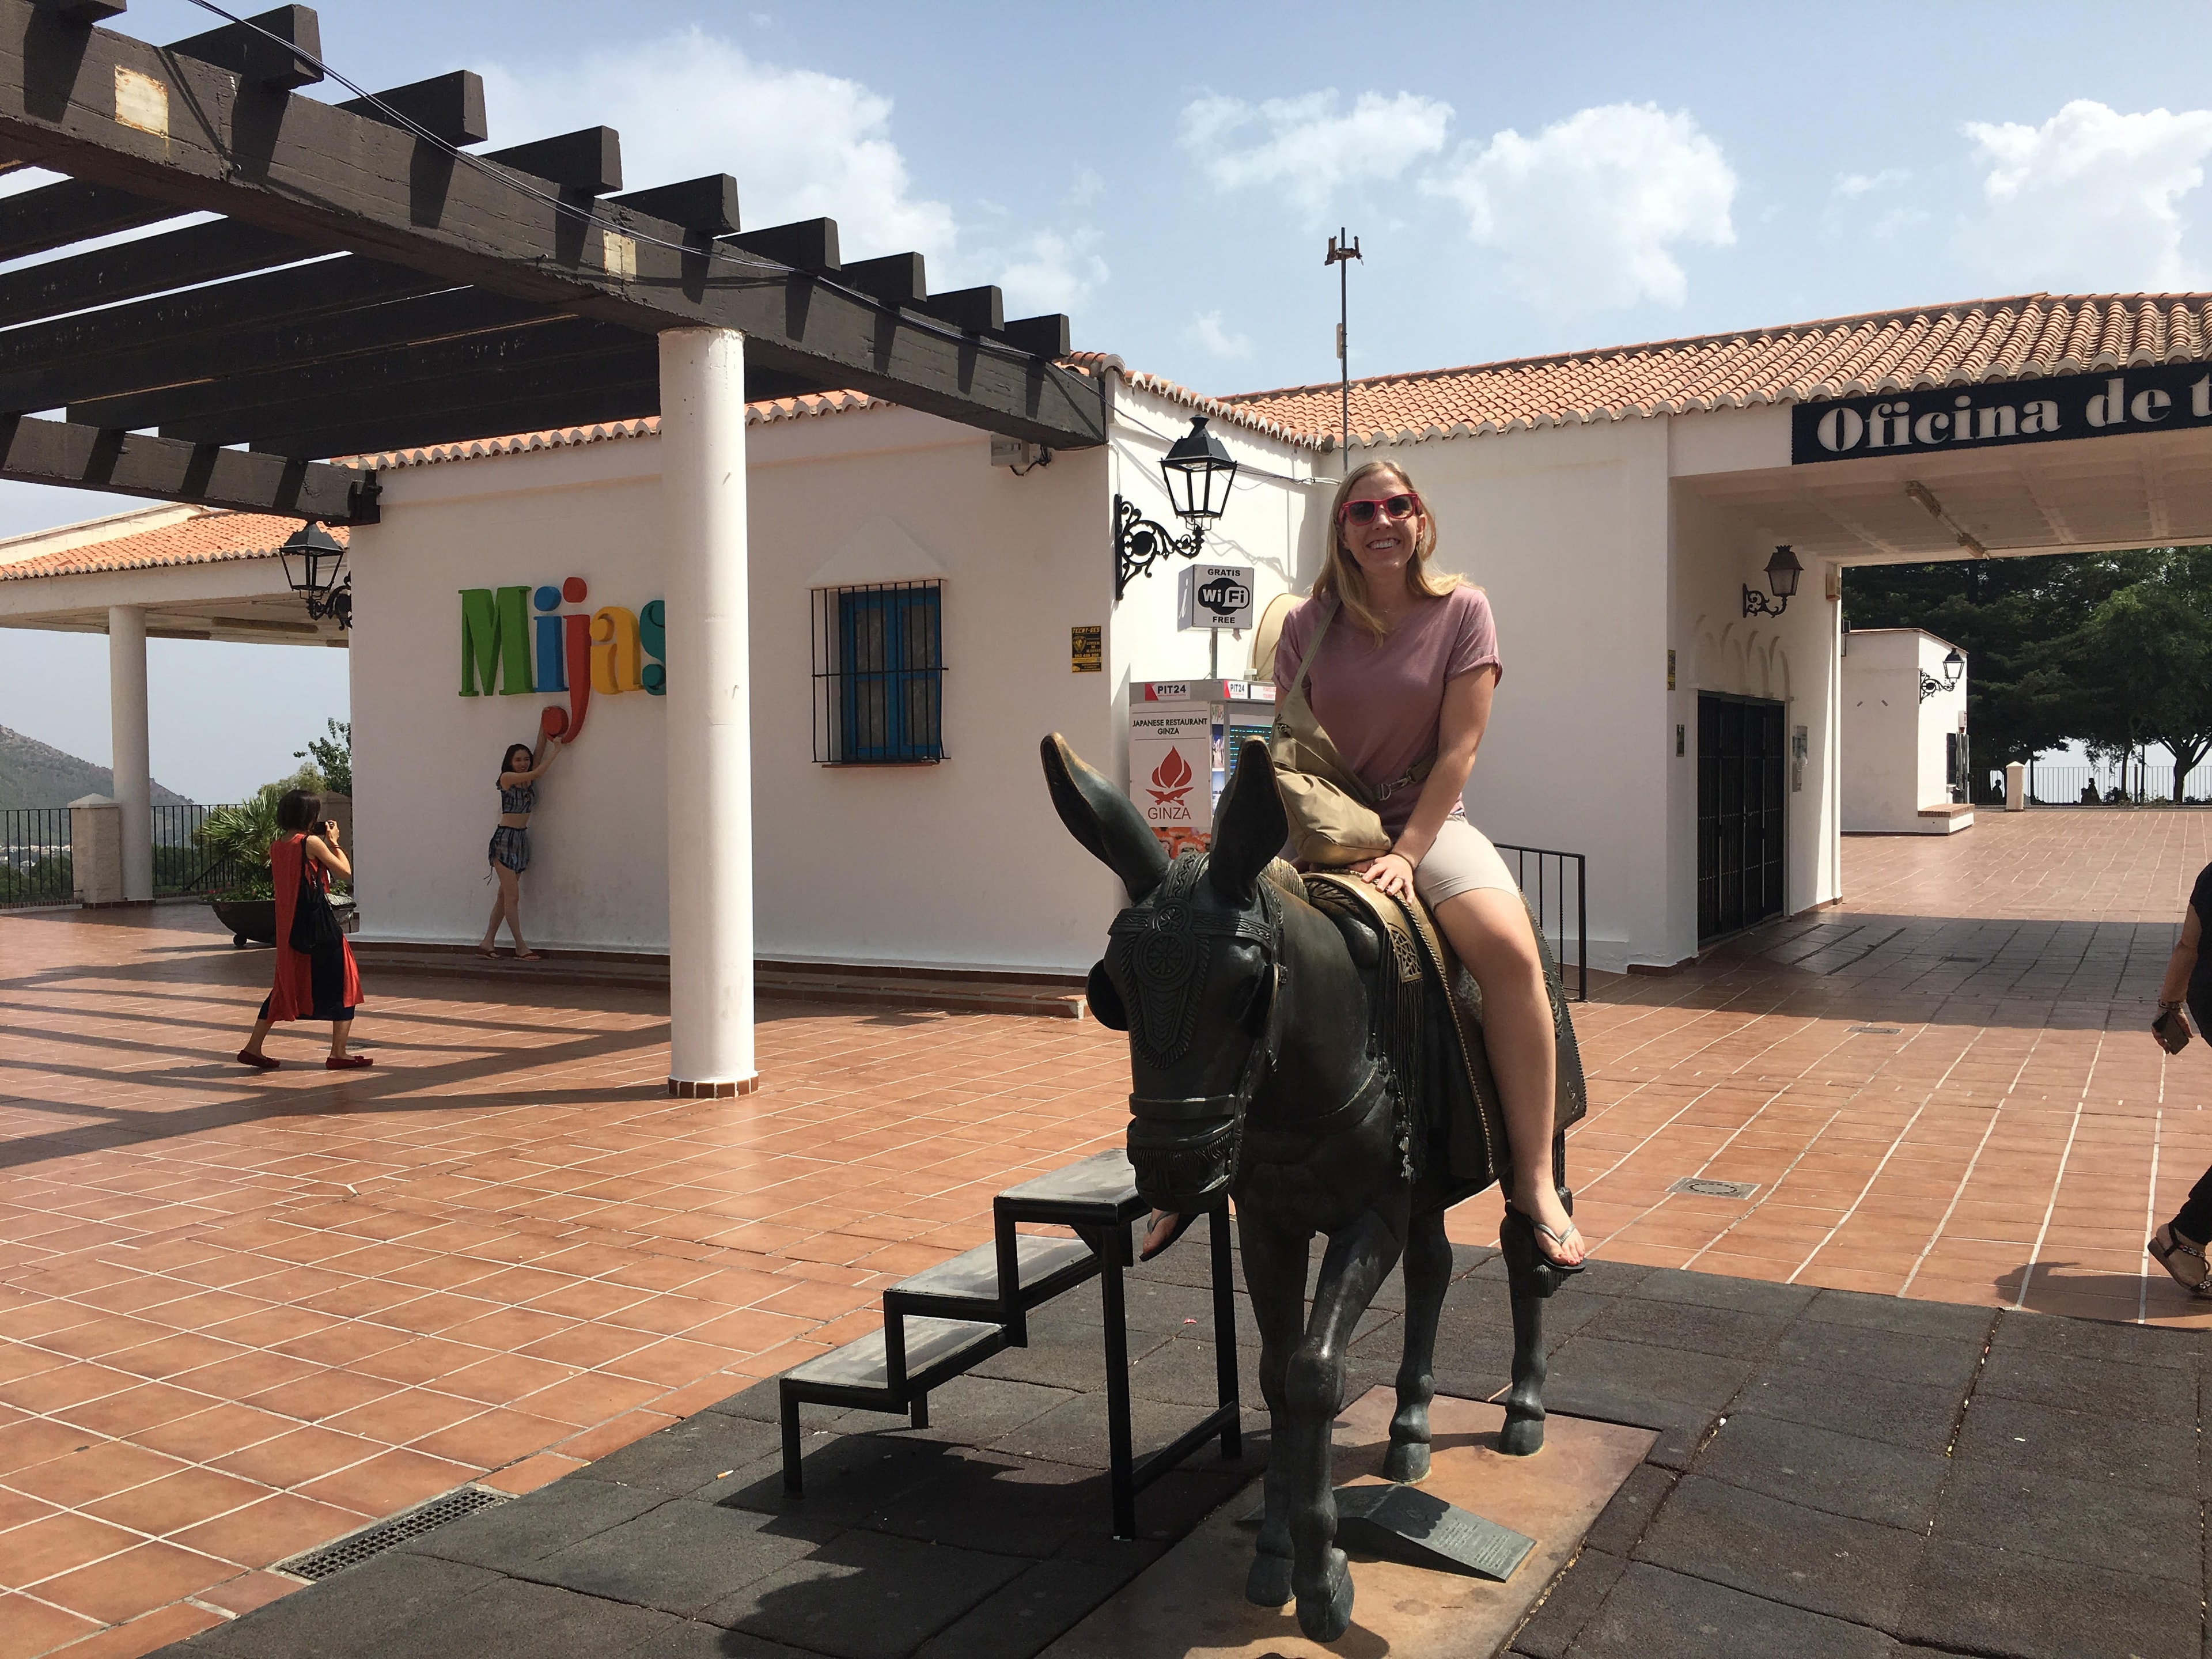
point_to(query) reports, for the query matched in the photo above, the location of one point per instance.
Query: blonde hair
(1342, 578)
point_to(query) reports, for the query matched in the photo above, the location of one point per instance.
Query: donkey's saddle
(1427, 1013)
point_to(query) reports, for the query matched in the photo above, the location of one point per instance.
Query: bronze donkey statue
(1295, 1057)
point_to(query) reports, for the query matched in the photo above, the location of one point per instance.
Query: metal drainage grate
(1877, 1030)
(357, 1547)
(1700, 1186)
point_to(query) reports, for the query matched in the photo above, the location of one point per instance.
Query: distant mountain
(34, 773)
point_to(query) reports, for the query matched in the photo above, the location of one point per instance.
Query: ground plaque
(1190, 1603)
(1404, 1523)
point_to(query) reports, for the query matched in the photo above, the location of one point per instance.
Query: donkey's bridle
(1187, 1146)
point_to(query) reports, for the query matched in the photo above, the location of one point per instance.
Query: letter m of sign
(495, 641)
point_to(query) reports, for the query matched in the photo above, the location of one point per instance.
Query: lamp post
(319, 559)
(1953, 665)
(1782, 571)
(1199, 473)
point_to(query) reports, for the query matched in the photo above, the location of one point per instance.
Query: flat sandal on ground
(2172, 1247)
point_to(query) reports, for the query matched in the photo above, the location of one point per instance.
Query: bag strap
(1313, 648)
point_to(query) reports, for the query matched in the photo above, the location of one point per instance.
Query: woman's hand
(330, 831)
(1391, 874)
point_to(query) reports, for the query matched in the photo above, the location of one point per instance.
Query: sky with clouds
(1522, 180)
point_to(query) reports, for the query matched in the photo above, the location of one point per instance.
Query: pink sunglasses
(1365, 512)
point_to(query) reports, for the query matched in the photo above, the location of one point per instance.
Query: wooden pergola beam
(192, 137)
(209, 365)
(152, 264)
(54, 215)
(132, 464)
(568, 404)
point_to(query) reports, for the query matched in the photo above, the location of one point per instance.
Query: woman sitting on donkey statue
(1308, 1046)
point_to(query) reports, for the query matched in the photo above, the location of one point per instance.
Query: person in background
(2179, 1245)
(322, 984)
(509, 852)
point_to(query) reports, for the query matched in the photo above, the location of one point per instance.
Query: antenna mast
(1343, 249)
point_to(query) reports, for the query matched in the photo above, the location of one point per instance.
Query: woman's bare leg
(1489, 929)
(510, 894)
(498, 915)
(340, 1030)
(260, 1035)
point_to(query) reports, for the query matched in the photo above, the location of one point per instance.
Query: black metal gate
(1741, 789)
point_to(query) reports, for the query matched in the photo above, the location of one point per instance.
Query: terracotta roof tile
(2023, 337)
(760, 413)
(214, 538)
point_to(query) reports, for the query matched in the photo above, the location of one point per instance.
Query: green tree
(330, 757)
(2143, 660)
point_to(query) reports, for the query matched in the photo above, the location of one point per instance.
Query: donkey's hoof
(1521, 1437)
(1407, 1462)
(1325, 1618)
(1269, 1583)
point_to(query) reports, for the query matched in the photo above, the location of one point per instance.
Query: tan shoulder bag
(1333, 816)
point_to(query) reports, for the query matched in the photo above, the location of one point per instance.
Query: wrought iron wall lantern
(1199, 473)
(1782, 571)
(320, 560)
(1954, 666)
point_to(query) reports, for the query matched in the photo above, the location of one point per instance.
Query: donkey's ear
(1250, 828)
(1102, 817)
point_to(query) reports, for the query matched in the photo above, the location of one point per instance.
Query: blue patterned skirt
(510, 846)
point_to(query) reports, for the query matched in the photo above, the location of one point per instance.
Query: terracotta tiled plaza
(242, 1314)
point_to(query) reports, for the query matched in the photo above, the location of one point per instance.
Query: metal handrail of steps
(955, 1316)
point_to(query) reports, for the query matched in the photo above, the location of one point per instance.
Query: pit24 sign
(2154, 398)
(610, 650)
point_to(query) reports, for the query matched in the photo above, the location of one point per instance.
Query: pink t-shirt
(1381, 701)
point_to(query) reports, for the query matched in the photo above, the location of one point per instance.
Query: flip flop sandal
(2164, 1255)
(1182, 1226)
(1538, 1232)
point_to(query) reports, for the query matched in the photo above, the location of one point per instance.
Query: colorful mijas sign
(611, 650)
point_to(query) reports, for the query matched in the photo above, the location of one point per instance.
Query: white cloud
(1310, 147)
(1206, 333)
(1050, 270)
(1866, 184)
(801, 143)
(1591, 210)
(2090, 199)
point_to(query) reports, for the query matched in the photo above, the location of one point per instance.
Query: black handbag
(314, 924)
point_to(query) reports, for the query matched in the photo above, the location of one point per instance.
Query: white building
(1906, 750)
(1660, 713)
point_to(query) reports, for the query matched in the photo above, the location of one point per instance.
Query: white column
(126, 714)
(710, 782)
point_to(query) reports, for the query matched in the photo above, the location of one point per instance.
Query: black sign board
(2154, 398)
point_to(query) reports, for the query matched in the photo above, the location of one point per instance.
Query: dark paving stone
(1654, 1614)
(1707, 1381)
(1691, 1326)
(2012, 1435)
(694, 1639)
(2155, 1394)
(968, 1411)
(1988, 1601)
(508, 1538)
(2092, 1339)
(537, 1620)
(1831, 1563)
(686, 1454)
(682, 1558)
(848, 1478)
(1940, 1321)
(1051, 1361)
(1569, 1605)
(1752, 1295)
(1043, 1604)
(1898, 1355)
(1598, 1277)
(1839, 1474)
(1076, 1432)
(1919, 1416)
(759, 1403)
(1182, 1373)
(338, 1618)
(2122, 1528)
(865, 1596)
(1003, 1505)
(1628, 1513)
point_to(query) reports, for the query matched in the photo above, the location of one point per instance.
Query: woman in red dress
(321, 984)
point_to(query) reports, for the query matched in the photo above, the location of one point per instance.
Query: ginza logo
(2007, 412)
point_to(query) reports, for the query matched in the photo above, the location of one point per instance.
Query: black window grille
(879, 674)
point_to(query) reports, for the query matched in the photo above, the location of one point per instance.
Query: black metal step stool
(947, 1320)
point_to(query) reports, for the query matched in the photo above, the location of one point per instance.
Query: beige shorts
(1459, 860)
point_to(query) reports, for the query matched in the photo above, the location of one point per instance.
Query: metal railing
(2134, 785)
(179, 865)
(1560, 898)
(35, 867)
